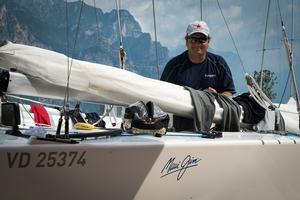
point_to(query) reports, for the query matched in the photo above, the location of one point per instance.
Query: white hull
(237, 166)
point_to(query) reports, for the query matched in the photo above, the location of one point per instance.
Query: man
(197, 68)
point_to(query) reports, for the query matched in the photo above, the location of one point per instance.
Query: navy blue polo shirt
(212, 72)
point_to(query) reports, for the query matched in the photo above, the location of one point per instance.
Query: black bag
(93, 117)
(145, 116)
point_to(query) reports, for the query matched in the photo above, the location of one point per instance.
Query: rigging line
(292, 27)
(122, 53)
(289, 51)
(33, 101)
(236, 49)
(264, 47)
(284, 90)
(155, 35)
(292, 40)
(97, 22)
(289, 74)
(290, 60)
(119, 21)
(285, 38)
(73, 51)
(27, 111)
(67, 49)
(201, 13)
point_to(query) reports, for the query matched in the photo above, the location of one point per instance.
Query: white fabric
(44, 73)
(268, 123)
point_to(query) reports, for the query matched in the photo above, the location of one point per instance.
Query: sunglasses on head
(198, 39)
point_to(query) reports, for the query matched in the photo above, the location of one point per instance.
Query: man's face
(197, 44)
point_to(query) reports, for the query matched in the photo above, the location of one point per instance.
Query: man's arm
(226, 93)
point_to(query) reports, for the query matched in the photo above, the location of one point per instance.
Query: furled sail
(40, 72)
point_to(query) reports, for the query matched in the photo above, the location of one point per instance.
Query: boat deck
(178, 138)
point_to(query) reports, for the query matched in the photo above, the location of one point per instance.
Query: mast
(264, 47)
(155, 35)
(290, 61)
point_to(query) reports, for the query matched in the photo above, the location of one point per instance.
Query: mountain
(45, 24)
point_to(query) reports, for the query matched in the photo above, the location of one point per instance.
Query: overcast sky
(246, 20)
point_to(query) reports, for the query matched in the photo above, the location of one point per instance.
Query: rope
(97, 21)
(292, 31)
(107, 110)
(119, 21)
(236, 49)
(65, 110)
(201, 11)
(257, 97)
(281, 19)
(27, 111)
(290, 60)
(285, 38)
(264, 46)
(67, 50)
(122, 53)
(292, 38)
(257, 92)
(73, 51)
(283, 93)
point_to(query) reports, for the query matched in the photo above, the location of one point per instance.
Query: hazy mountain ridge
(43, 24)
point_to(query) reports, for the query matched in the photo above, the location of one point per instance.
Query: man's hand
(226, 93)
(212, 90)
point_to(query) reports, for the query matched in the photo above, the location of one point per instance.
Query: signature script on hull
(180, 167)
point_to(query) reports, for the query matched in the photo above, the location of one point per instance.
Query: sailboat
(177, 165)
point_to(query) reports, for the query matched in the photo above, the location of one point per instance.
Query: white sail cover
(40, 72)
